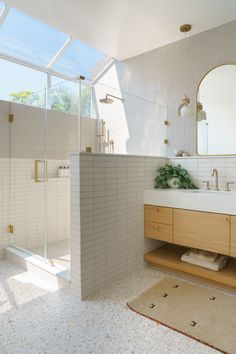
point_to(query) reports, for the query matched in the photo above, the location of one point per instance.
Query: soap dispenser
(68, 171)
(60, 172)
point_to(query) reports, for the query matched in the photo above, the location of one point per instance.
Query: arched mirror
(216, 112)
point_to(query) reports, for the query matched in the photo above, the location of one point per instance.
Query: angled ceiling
(126, 28)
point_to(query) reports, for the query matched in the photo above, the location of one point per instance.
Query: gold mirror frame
(196, 117)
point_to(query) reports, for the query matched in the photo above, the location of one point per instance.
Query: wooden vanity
(183, 229)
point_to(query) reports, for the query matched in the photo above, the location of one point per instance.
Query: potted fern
(173, 177)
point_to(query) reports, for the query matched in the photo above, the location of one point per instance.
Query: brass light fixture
(184, 107)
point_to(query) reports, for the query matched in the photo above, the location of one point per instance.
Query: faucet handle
(227, 186)
(207, 185)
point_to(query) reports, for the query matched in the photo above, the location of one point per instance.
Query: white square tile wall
(110, 243)
(200, 169)
(108, 233)
(22, 203)
(75, 233)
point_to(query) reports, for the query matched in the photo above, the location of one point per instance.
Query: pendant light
(184, 107)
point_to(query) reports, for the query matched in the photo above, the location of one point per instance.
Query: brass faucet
(215, 174)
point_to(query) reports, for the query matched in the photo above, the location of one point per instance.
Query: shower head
(108, 100)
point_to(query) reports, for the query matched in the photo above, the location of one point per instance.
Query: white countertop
(201, 200)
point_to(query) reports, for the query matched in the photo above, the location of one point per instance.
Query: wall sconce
(184, 107)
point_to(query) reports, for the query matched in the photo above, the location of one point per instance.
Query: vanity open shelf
(168, 257)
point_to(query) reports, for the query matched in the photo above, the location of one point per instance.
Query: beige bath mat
(204, 314)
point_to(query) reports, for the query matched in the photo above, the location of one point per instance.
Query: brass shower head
(108, 100)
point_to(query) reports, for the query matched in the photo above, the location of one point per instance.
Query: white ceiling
(126, 28)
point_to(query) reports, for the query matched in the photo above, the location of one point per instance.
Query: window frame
(49, 74)
(49, 68)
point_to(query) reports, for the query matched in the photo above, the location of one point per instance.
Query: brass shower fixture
(108, 100)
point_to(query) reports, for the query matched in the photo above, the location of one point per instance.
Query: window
(27, 39)
(80, 59)
(21, 84)
(86, 99)
(31, 41)
(65, 97)
(2, 6)
(28, 86)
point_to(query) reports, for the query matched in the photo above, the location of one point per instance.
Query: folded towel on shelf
(205, 255)
(219, 263)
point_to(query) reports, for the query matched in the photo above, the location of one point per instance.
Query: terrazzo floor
(36, 319)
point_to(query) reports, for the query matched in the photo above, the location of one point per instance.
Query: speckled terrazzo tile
(38, 320)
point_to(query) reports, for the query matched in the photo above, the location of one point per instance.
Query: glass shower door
(62, 140)
(42, 137)
(28, 174)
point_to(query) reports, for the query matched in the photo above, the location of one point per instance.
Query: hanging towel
(219, 263)
(205, 255)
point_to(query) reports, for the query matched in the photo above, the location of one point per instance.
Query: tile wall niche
(22, 204)
(107, 224)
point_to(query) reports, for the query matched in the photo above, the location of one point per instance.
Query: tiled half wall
(107, 225)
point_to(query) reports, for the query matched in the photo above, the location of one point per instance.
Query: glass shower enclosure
(42, 134)
(71, 116)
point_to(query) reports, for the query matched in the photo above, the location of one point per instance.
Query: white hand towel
(217, 265)
(205, 255)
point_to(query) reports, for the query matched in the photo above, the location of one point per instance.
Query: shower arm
(118, 98)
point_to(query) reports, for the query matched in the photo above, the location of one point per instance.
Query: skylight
(81, 59)
(2, 5)
(27, 39)
(33, 42)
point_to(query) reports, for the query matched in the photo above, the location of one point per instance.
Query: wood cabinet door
(157, 231)
(207, 231)
(233, 237)
(158, 214)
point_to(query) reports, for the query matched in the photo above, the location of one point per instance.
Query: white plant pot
(174, 183)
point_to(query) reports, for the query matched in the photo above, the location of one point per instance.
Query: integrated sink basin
(193, 199)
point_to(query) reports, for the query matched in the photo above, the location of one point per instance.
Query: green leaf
(168, 171)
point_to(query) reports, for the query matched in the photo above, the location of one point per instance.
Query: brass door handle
(37, 179)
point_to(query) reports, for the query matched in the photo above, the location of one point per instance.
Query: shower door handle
(37, 179)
